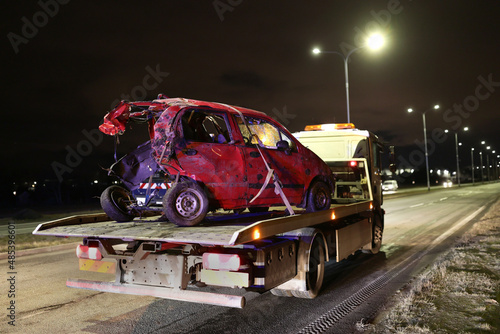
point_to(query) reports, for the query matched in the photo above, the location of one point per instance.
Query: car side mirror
(283, 145)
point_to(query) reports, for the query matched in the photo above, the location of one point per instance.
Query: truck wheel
(185, 204)
(115, 202)
(316, 270)
(377, 232)
(318, 197)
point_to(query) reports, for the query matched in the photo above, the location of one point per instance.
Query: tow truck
(261, 251)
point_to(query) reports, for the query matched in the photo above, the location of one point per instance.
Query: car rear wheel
(115, 201)
(185, 204)
(319, 197)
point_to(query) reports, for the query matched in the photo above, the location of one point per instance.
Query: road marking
(347, 306)
(414, 206)
(443, 199)
(456, 227)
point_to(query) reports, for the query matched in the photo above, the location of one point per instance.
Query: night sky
(67, 62)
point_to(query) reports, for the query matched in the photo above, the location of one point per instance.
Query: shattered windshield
(268, 134)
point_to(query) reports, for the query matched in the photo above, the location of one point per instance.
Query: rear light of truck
(353, 163)
(214, 261)
(86, 252)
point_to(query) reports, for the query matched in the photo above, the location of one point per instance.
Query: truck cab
(353, 155)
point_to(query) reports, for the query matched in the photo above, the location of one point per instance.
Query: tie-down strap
(270, 172)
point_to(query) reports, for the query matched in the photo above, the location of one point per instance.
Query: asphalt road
(418, 228)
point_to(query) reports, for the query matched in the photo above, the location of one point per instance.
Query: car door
(286, 163)
(208, 154)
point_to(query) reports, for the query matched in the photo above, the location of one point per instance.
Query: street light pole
(425, 145)
(472, 163)
(426, 153)
(456, 153)
(374, 42)
(346, 74)
(456, 149)
(481, 162)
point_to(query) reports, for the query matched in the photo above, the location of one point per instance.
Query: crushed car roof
(115, 120)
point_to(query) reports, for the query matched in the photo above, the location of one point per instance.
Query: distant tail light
(214, 261)
(353, 163)
(86, 252)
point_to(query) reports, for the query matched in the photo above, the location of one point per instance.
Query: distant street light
(481, 162)
(374, 42)
(410, 110)
(472, 163)
(456, 150)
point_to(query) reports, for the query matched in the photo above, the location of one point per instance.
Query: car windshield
(268, 134)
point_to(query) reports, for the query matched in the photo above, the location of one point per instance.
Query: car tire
(319, 197)
(115, 202)
(185, 204)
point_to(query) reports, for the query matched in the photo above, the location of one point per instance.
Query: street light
(410, 110)
(472, 163)
(456, 150)
(374, 42)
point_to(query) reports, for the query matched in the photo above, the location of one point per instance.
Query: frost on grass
(459, 294)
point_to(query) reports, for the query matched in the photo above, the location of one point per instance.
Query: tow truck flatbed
(220, 230)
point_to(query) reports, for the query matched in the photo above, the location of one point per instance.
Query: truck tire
(377, 232)
(316, 270)
(185, 203)
(319, 197)
(115, 202)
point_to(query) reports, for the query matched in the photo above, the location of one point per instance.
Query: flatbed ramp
(223, 230)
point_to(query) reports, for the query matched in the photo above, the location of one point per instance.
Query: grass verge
(460, 293)
(28, 241)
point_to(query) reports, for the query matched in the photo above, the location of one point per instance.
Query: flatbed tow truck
(285, 254)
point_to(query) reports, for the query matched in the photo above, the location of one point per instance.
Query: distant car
(447, 184)
(390, 185)
(214, 156)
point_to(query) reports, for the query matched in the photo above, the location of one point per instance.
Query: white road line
(443, 199)
(414, 206)
(456, 227)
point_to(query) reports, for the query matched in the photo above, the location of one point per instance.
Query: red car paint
(209, 143)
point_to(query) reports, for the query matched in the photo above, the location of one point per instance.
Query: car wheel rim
(119, 201)
(320, 199)
(188, 204)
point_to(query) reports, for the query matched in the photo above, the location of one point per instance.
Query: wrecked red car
(213, 156)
